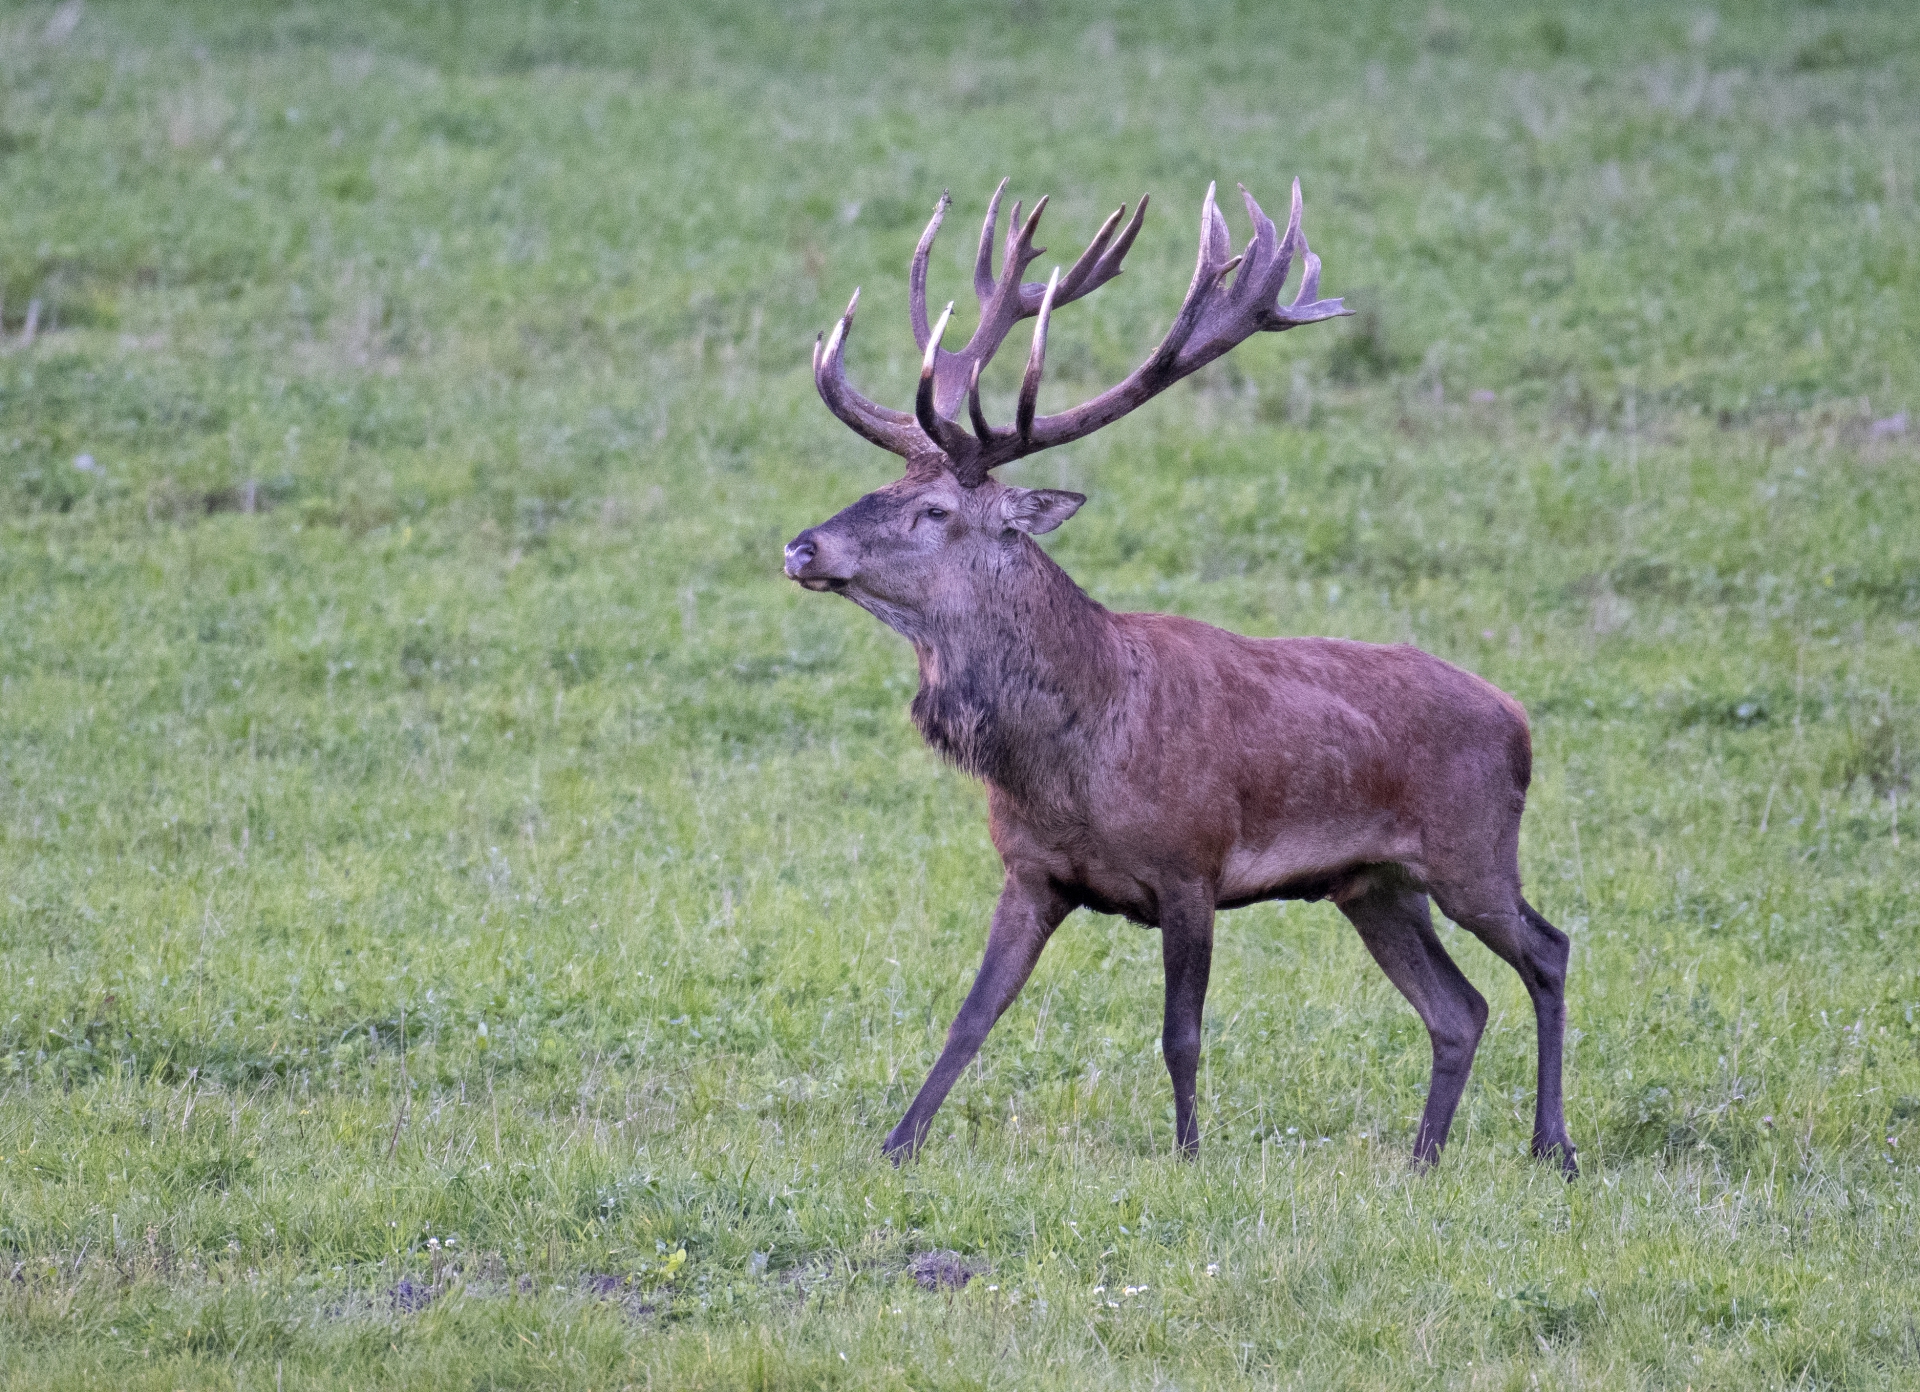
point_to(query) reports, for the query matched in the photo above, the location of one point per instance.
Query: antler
(1006, 301)
(890, 429)
(1213, 319)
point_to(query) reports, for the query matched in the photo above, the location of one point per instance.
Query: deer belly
(1306, 862)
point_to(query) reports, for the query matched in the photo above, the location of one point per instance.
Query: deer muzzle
(804, 564)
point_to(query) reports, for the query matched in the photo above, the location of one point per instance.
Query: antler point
(933, 343)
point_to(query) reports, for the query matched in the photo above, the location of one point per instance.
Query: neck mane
(1014, 685)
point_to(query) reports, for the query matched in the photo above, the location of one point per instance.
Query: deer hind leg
(1397, 928)
(1521, 936)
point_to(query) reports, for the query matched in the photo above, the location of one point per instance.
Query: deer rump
(1154, 766)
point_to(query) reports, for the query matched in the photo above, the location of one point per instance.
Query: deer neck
(1013, 682)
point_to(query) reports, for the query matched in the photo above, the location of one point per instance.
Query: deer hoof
(899, 1147)
(1563, 1151)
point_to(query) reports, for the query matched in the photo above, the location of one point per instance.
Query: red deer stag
(1150, 765)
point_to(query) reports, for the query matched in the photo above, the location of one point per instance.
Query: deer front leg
(1022, 922)
(1186, 949)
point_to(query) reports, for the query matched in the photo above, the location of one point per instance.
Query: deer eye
(936, 513)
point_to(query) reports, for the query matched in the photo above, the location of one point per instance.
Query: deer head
(925, 542)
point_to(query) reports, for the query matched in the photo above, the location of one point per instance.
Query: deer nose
(799, 551)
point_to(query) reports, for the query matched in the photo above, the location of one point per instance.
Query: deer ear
(1038, 510)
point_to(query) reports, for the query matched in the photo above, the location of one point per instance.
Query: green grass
(426, 815)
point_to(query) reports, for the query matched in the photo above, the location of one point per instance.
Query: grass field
(467, 922)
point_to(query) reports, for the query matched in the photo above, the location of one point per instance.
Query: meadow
(467, 922)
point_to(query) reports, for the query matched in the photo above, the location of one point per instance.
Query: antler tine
(1216, 243)
(1125, 244)
(923, 397)
(1100, 263)
(1264, 252)
(943, 432)
(917, 271)
(1307, 306)
(1036, 361)
(891, 430)
(1020, 252)
(1007, 268)
(1309, 278)
(983, 283)
(983, 429)
(1096, 248)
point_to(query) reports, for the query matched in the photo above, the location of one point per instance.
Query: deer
(1150, 765)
